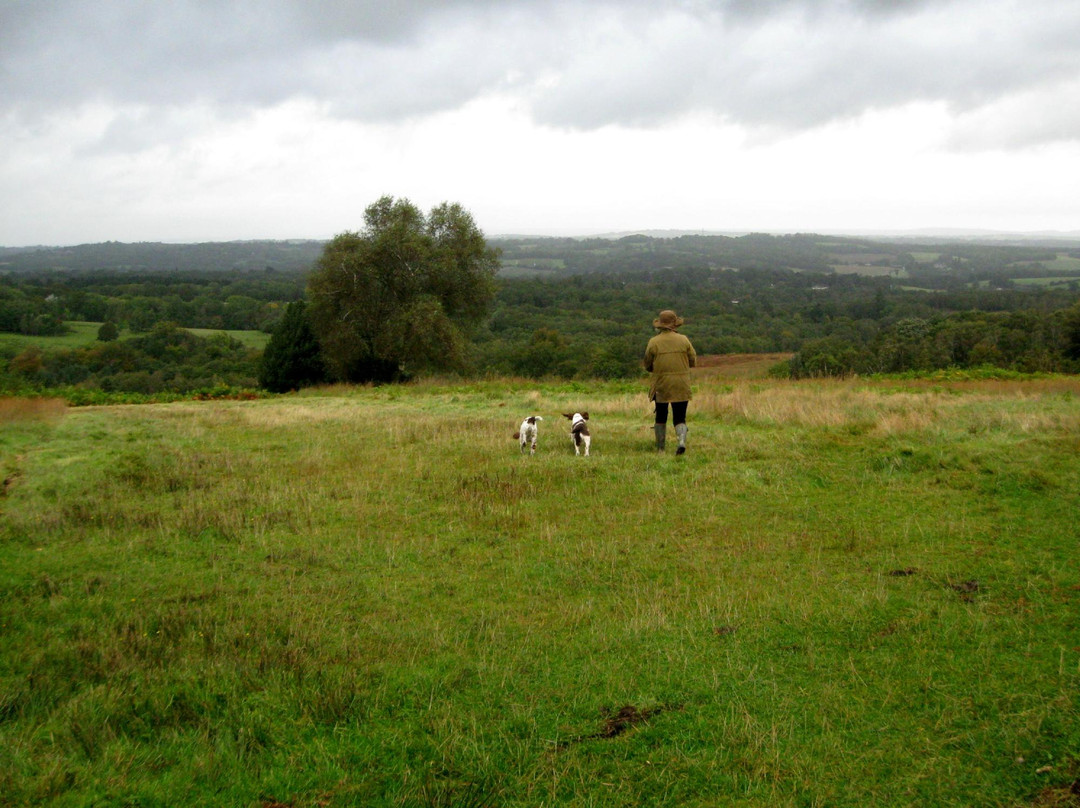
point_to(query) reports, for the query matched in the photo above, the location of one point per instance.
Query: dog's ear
(567, 415)
(531, 419)
(585, 415)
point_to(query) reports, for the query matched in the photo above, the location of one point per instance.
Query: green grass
(1062, 263)
(845, 594)
(252, 339)
(869, 271)
(83, 334)
(80, 335)
(534, 263)
(1055, 281)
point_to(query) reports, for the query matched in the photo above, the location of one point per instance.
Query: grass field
(80, 335)
(1063, 263)
(846, 593)
(84, 334)
(1063, 280)
(869, 271)
(252, 339)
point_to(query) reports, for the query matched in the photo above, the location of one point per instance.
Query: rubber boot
(661, 436)
(681, 430)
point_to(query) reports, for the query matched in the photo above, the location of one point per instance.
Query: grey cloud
(806, 64)
(761, 8)
(775, 64)
(241, 53)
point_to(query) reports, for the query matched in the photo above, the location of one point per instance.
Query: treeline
(933, 262)
(633, 254)
(596, 325)
(1027, 341)
(39, 303)
(925, 263)
(155, 257)
(584, 308)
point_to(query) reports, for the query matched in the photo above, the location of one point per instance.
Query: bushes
(1022, 341)
(548, 353)
(830, 356)
(108, 331)
(168, 359)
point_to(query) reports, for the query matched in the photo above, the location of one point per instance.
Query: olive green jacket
(669, 357)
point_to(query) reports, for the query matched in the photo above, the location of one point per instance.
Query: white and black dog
(579, 431)
(528, 433)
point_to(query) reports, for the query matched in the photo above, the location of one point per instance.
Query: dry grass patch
(324, 410)
(737, 366)
(14, 410)
(787, 403)
(875, 408)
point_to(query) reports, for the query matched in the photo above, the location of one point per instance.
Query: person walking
(669, 357)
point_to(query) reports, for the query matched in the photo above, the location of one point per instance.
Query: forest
(567, 308)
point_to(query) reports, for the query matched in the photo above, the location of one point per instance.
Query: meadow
(79, 335)
(846, 593)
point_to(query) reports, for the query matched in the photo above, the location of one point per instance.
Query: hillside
(900, 258)
(544, 256)
(252, 256)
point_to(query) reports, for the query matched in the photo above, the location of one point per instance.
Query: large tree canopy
(402, 295)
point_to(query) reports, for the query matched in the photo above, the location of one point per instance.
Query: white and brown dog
(528, 433)
(579, 431)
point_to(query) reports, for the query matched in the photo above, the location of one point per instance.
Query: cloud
(774, 65)
(1044, 114)
(802, 65)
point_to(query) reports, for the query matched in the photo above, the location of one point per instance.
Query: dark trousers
(678, 412)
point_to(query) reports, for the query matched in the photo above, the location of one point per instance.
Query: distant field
(84, 334)
(861, 259)
(252, 339)
(529, 267)
(1063, 263)
(845, 594)
(865, 269)
(1066, 279)
(535, 263)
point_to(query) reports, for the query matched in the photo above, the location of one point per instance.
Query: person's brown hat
(668, 320)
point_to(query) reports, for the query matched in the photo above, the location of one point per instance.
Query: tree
(29, 362)
(108, 331)
(828, 356)
(1072, 332)
(292, 358)
(403, 295)
(546, 352)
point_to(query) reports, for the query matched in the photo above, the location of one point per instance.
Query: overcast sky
(207, 120)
